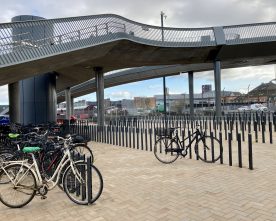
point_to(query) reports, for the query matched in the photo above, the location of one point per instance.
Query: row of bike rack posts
(144, 139)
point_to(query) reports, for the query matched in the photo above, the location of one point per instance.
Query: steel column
(217, 76)
(100, 95)
(165, 97)
(72, 105)
(191, 92)
(14, 102)
(68, 103)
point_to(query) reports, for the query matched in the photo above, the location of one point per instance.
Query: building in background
(206, 88)
(147, 103)
(176, 103)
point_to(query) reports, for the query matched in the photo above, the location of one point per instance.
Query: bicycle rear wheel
(166, 150)
(208, 149)
(76, 184)
(17, 185)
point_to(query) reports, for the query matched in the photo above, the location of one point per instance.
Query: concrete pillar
(100, 95)
(68, 103)
(217, 74)
(14, 102)
(37, 95)
(52, 98)
(38, 99)
(191, 92)
(72, 105)
(165, 97)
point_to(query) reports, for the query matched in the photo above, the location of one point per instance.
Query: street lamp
(162, 23)
(164, 78)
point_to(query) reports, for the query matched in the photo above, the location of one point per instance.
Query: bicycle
(20, 181)
(168, 147)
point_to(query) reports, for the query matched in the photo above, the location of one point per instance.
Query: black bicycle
(168, 146)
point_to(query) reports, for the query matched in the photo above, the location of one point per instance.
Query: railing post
(263, 132)
(250, 154)
(230, 148)
(190, 148)
(220, 148)
(106, 27)
(270, 133)
(239, 150)
(96, 30)
(89, 180)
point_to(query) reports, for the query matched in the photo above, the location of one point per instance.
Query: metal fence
(237, 132)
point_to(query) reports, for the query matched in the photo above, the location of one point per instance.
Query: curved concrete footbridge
(39, 57)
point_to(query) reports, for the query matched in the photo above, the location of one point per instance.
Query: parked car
(258, 107)
(4, 120)
(243, 108)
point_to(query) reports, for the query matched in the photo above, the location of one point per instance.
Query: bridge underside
(77, 66)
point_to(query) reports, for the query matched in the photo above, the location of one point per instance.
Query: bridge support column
(14, 102)
(217, 74)
(100, 95)
(72, 105)
(38, 99)
(191, 92)
(68, 100)
(165, 97)
(37, 95)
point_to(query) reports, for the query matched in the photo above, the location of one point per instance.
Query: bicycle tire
(77, 192)
(204, 150)
(83, 149)
(162, 149)
(30, 189)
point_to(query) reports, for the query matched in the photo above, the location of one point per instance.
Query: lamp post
(162, 24)
(164, 78)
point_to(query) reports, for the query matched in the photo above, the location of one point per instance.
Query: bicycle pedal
(43, 197)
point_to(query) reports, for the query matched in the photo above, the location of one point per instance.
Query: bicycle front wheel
(84, 185)
(83, 149)
(208, 149)
(17, 185)
(166, 150)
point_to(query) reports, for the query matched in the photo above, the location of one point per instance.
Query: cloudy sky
(180, 13)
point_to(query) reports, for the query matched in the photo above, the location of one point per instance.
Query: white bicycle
(20, 181)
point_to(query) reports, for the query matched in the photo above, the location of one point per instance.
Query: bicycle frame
(197, 136)
(35, 169)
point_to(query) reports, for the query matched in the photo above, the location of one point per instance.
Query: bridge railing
(29, 40)
(250, 33)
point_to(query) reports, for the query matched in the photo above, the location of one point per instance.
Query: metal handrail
(62, 35)
(250, 33)
(75, 33)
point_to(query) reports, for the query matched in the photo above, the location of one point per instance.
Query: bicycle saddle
(31, 149)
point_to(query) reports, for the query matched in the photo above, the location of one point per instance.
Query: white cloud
(4, 95)
(155, 86)
(118, 95)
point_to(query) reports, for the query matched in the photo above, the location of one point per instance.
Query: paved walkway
(138, 187)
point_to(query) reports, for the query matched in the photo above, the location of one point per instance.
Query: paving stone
(138, 187)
